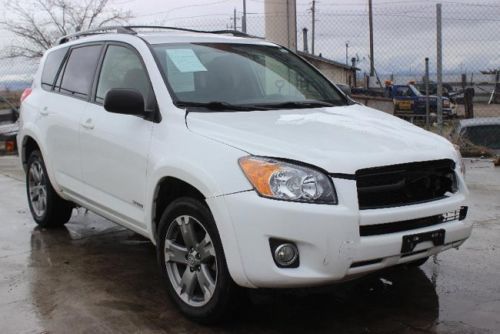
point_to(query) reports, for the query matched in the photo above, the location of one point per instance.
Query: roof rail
(130, 29)
(101, 30)
(235, 33)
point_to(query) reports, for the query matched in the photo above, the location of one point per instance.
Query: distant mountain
(14, 85)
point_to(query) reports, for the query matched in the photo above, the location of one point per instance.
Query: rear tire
(192, 262)
(47, 207)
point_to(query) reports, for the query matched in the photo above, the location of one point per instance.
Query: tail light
(10, 146)
(25, 94)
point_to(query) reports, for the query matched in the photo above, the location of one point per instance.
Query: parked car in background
(455, 96)
(409, 100)
(478, 137)
(9, 127)
(241, 162)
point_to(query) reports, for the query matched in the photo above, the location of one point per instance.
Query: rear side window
(79, 72)
(51, 67)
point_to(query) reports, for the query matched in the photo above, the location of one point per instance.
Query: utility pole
(244, 18)
(313, 30)
(439, 60)
(427, 100)
(234, 19)
(347, 53)
(372, 58)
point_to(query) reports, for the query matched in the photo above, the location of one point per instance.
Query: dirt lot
(96, 277)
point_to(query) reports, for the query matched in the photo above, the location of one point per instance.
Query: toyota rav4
(240, 161)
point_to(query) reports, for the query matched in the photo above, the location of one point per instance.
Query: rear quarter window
(51, 67)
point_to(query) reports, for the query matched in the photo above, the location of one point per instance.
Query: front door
(115, 147)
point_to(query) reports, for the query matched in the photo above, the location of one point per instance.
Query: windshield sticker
(180, 82)
(185, 60)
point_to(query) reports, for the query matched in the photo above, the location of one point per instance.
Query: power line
(182, 7)
(413, 2)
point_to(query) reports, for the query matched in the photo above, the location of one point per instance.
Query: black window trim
(62, 70)
(156, 117)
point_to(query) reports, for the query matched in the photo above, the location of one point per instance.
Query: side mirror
(124, 101)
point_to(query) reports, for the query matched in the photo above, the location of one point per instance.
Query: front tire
(192, 262)
(47, 208)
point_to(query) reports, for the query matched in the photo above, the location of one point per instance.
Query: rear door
(115, 147)
(63, 109)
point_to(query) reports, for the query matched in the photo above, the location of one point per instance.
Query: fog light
(463, 212)
(286, 254)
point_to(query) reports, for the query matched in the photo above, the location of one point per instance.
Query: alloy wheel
(191, 261)
(37, 186)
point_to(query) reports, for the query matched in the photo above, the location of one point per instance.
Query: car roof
(479, 121)
(166, 37)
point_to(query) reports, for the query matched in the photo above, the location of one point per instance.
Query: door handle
(44, 111)
(88, 124)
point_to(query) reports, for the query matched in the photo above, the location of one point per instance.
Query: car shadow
(93, 276)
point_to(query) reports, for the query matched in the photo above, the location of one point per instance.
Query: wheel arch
(28, 145)
(168, 189)
(193, 187)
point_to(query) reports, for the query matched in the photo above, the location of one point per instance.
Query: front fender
(207, 184)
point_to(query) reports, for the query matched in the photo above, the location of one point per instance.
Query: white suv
(242, 163)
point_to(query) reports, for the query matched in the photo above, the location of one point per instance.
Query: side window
(51, 67)
(122, 68)
(79, 72)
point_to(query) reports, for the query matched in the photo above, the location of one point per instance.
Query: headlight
(287, 181)
(460, 159)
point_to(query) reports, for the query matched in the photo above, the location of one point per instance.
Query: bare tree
(37, 24)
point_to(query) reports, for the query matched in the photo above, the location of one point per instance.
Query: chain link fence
(404, 35)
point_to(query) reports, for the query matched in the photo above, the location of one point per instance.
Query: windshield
(219, 74)
(415, 90)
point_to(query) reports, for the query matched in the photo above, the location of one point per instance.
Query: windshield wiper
(221, 106)
(300, 104)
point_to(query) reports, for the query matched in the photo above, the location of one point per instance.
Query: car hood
(336, 139)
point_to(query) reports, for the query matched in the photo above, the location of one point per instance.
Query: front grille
(368, 230)
(412, 224)
(405, 184)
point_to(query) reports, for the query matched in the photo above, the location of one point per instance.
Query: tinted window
(51, 66)
(483, 135)
(79, 71)
(403, 91)
(122, 68)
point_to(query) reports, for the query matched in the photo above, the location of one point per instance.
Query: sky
(405, 30)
